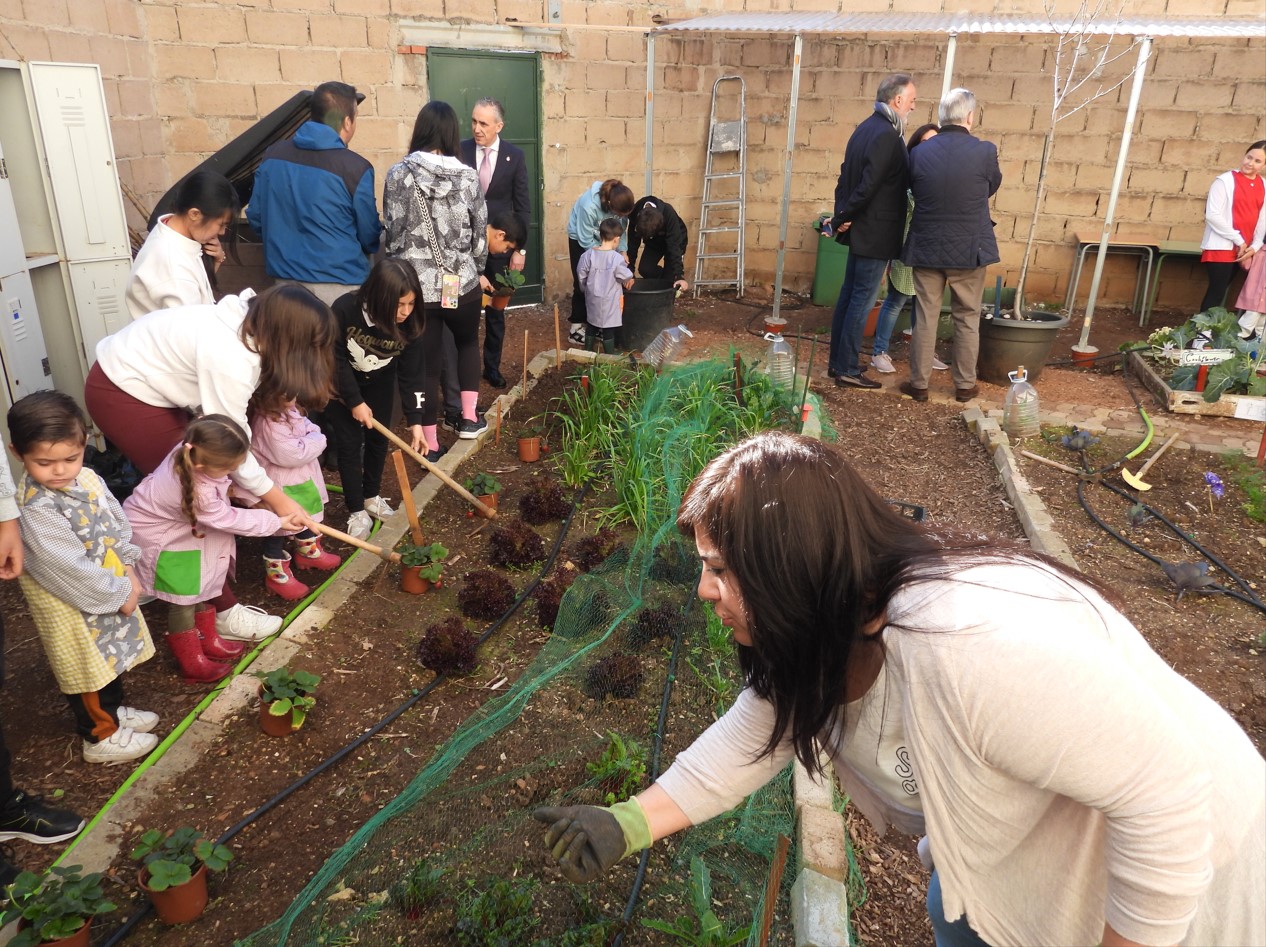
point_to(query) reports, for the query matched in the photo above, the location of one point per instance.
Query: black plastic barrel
(648, 310)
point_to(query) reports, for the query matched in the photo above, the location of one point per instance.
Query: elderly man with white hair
(951, 241)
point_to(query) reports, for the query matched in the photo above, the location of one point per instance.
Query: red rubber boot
(194, 665)
(281, 581)
(310, 555)
(213, 646)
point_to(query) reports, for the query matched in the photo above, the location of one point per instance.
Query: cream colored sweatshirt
(1067, 775)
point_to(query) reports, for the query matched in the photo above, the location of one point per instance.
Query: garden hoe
(385, 554)
(1136, 480)
(406, 498)
(484, 510)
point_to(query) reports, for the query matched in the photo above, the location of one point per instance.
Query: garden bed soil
(916, 453)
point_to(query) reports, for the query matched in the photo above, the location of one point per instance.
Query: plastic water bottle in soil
(778, 362)
(1020, 410)
(666, 345)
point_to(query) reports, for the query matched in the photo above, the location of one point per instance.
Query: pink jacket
(175, 565)
(289, 449)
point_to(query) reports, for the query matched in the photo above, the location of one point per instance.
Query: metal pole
(650, 109)
(947, 82)
(786, 171)
(1136, 91)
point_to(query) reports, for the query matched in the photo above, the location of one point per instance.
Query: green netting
(455, 858)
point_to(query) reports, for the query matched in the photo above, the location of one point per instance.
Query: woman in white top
(1074, 788)
(176, 265)
(159, 371)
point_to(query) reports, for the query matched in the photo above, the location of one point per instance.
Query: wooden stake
(496, 434)
(1052, 463)
(523, 390)
(558, 340)
(385, 554)
(772, 886)
(406, 498)
(445, 479)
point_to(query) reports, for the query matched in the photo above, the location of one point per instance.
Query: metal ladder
(724, 207)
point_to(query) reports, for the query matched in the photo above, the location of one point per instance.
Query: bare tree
(1088, 46)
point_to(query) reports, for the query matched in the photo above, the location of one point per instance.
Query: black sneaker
(27, 818)
(433, 456)
(451, 422)
(469, 430)
(495, 380)
(856, 381)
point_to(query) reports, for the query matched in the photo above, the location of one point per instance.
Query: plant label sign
(1201, 356)
(1251, 409)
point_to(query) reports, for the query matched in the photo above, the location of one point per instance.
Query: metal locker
(98, 289)
(21, 341)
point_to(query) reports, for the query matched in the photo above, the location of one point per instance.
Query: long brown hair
(816, 555)
(294, 334)
(214, 440)
(379, 296)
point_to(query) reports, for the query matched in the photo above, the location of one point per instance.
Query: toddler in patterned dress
(79, 580)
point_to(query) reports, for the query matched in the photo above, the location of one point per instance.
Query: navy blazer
(952, 177)
(508, 189)
(871, 192)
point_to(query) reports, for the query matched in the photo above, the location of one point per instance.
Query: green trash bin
(828, 277)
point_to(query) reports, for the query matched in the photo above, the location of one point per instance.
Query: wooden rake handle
(385, 554)
(484, 510)
(1155, 457)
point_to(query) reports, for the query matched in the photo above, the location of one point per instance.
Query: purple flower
(1215, 484)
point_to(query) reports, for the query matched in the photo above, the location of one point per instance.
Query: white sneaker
(246, 623)
(577, 335)
(359, 525)
(138, 721)
(120, 746)
(378, 508)
(938, 365)
(882, 364)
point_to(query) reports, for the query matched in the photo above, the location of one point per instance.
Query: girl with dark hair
(380, 347)
(154, 374)
(176, 265)
(1234, 223)
(658, 233)
(186, 527)
(79, 580)
(436, 221)
(603, 199)
(1072, 787)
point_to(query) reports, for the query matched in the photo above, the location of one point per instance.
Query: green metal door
(462, 77)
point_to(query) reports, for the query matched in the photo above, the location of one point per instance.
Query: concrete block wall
(184, 78)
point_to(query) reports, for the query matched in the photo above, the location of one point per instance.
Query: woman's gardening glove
(588, 840)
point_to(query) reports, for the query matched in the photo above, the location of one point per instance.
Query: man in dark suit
(951, 241)
(870, 215)
(502, 170)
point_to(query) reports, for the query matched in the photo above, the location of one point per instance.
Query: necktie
(485, 171)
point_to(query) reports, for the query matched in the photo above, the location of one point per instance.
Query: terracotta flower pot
(489, 499)
(529, 449)
(271, 724)
(77, 939)
(180, 904)
(413, 583)
(498, 302)
(778, 326)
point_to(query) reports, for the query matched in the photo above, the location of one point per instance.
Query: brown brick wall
(184, 77)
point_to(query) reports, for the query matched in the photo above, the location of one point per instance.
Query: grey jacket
(450, 191)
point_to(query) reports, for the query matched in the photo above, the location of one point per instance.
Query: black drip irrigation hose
(130, 924)
(635, 893)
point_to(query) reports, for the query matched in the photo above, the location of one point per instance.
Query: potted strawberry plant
(285, 698)
(485, 488)
(56, 908)
(174, 870)
(506, 283)
(530, 444)
(421, 566)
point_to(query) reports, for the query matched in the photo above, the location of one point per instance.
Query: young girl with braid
(182, 520)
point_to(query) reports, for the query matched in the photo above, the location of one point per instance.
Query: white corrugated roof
(958, 23)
